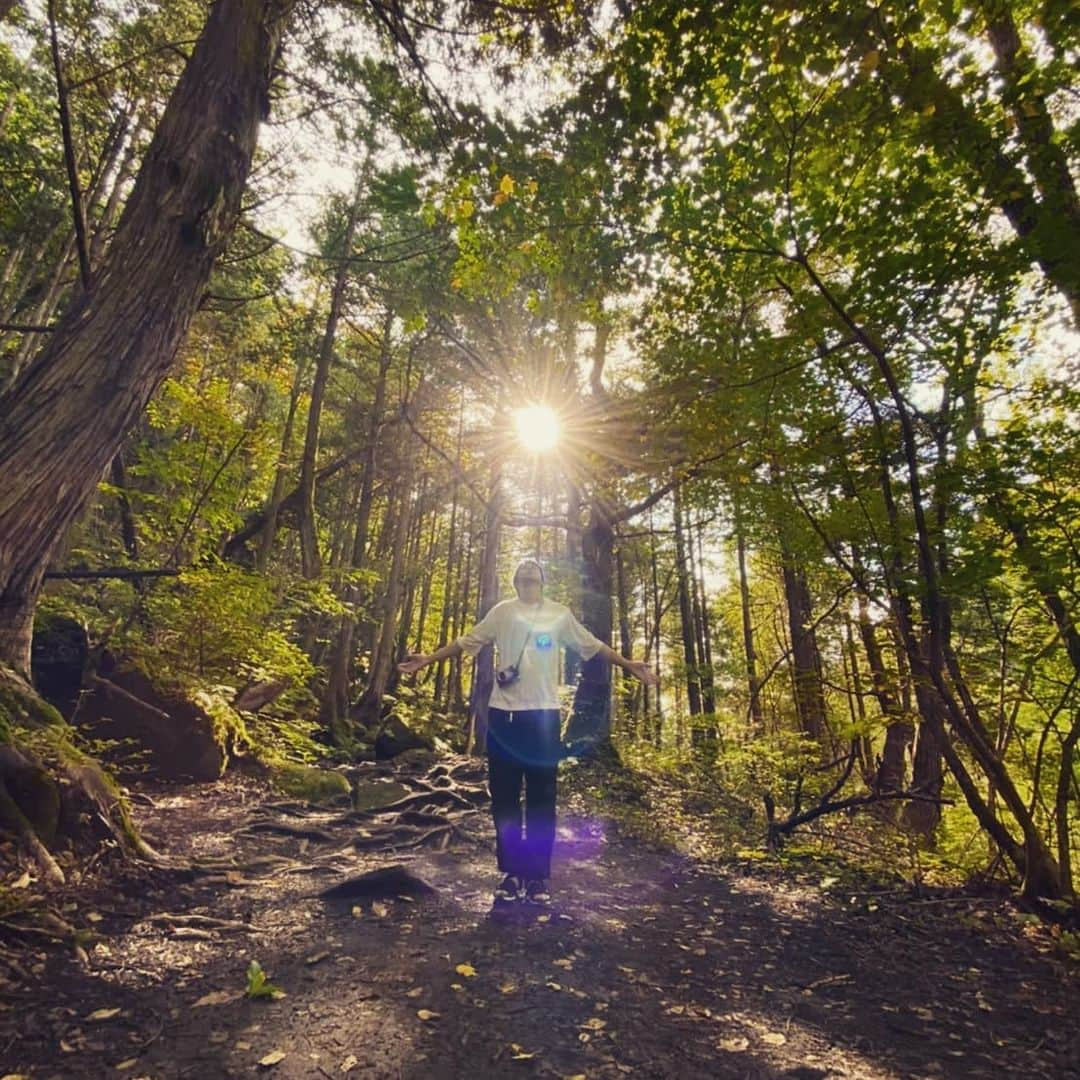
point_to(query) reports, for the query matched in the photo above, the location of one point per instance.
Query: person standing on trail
(524, 731)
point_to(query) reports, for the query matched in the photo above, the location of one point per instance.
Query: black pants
(523, 747)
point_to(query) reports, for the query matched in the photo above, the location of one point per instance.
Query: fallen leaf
(130, 1063)
(103, 1014)
(415, 992)
(316, 958)
(520, 1053)
(379, 909)
(427, 1014)
(349, 1063)
(217, 997)
(553, 986)
(774, 1038)
(565, 962)
(507, 988)
(94, 916)
(22, 882)
(357, 911)
(272, 1058)
(594, 1023)
(466, 969)
(735, 1045)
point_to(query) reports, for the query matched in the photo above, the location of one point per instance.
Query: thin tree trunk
(382, 660)
(310, 558)
(749, 650)
(484, 665)
(686, 616)
(339, 675)
(453, 557)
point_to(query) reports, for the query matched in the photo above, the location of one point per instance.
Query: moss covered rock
(308, 782)
(185, 736)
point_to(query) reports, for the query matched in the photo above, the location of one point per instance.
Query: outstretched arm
(638, 668)
(589, 645)
(415, 661)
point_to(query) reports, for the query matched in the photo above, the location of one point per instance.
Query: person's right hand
(412, 663)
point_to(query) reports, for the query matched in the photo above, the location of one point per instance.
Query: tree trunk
(64, 418)
(339, 676)
(453, 559)
(757, 716)
(382, 659)
(484, 665)
(805, 656)
(899, 731)
(701, 621)
(309, 542)
(591, 716)
(686, 615)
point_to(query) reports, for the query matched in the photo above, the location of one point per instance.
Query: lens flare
(537, 427)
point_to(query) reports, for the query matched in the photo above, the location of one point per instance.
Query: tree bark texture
(63, 420)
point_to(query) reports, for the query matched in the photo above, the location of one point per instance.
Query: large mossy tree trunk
(590, 719)
(49, 790)
(63, 420)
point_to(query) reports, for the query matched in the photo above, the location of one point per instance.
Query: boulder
(182, 739)
(374, 794)
(58, 659)
(395, 737)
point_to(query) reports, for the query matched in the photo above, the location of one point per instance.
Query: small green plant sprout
(258, 986)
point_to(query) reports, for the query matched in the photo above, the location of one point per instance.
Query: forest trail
(647, 964)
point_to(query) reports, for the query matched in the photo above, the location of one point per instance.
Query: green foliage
(258, 986)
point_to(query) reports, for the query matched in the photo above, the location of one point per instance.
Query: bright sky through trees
(537, 427)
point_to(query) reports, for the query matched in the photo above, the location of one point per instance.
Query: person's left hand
(644, 672)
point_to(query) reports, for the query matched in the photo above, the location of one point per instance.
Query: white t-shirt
(548, 626)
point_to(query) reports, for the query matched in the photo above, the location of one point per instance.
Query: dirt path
(648, 964)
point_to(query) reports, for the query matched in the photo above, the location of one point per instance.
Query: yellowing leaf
(466, 969)
(869, 61)
(506, 185)
(500, 198)
(103, 1014)
(272, 1058)
(466, 208)
(217, 997)
(735, 1045)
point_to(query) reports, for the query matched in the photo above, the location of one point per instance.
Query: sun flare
(537, 427)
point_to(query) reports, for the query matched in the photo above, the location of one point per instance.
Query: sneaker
(508, 890)
(536, 891)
